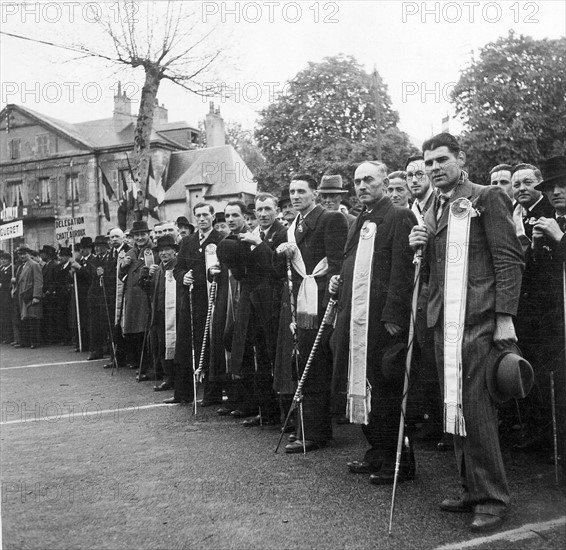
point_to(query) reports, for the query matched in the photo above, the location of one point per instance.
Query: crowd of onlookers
(223, 299)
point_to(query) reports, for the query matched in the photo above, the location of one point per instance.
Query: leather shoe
(485, 522)
(142, 378)
(446, 443)
(162, 387)
(362, 467)
(175, 401)
(94, 357)
(457, 506)
(297, 446)
(387, 477)
(33, 346)
(224, 411)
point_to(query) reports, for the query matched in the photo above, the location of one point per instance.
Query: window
(14, 146)
(42, 145)
(15, 197)
(44, 191)
(72, 188)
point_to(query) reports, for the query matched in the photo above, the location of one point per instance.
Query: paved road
(91, 460)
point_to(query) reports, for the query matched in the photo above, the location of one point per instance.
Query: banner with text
(70, 229)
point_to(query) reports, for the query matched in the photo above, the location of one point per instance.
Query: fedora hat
(331, 184)
(166, 241)
(233, 252)
(48, 249)
(24, 249)
(552, 169)
(182, 220)
(508, 375)
(393, 360)
(139, 227)
(100, 240)
(65, 251)
(86, 242)
(219, 217)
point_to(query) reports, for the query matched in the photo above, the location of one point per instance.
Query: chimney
(215, 130)
(160, 114)
(122, 106)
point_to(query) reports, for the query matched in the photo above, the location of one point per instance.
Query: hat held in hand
(508, 375)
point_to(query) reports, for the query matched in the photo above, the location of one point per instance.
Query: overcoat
(191, 256)
(391, 286)
(29, 286)
(136, 309)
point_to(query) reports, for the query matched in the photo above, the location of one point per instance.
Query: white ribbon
(170, 314)
(358, 405)
(307, 295)
(455, 291)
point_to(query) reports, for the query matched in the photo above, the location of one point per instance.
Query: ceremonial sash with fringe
(170, 314)
(119, 291)
(358, 405)
(455, 291)
(307, 296)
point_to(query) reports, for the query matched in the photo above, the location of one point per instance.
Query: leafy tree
(325, 122)
(512, 101)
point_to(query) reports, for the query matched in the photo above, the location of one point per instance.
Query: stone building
(51, 169)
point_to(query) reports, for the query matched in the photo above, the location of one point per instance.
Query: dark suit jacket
(391, 285)
(495, 260)
(191, 256)
(260, 291)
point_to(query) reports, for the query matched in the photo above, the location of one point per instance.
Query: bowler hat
(100, 240)
(139, 227)
(48, 249)
(219, 217)
(285, 197)
(166, 241)
(508, 375)
(65, 251)
(393, 360)
(86, 242)
(552, 169)
(250, 209)
(331, 184)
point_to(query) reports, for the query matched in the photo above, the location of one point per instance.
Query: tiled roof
(221, 168)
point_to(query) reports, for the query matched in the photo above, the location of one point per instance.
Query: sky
(419, 49)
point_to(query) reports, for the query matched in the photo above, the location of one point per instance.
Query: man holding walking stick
(375, 288)
(475, 261)
(316, 244)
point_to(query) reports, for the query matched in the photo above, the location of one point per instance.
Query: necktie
(299, 228)
(442, 200)
(202, 238)
(561, 222)
(362, 218)
(262, 235)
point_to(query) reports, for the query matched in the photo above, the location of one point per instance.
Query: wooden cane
(298, 397)
(417, 262)
(110, 328)
(193, 349)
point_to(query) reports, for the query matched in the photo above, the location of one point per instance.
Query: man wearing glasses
(419, 185)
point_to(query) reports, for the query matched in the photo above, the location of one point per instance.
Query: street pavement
(94, 460)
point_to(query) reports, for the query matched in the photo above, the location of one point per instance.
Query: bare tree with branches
(167, 40)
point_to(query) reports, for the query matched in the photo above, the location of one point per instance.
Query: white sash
(358, 405)
(455, 291)
(119, 289)
(170, 314)
(307, 295)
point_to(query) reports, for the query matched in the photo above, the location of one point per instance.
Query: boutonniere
(477, 211)
(531, 221)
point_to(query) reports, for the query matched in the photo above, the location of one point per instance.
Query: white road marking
(127, 408)
(530, 530)
(50, 364)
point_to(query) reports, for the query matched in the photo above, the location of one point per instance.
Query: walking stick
(298, 397)
(76, 288)
(110, 328)
(206, 337)
(193, 348)
(259, 406)
(417, 261)
(148, 260)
